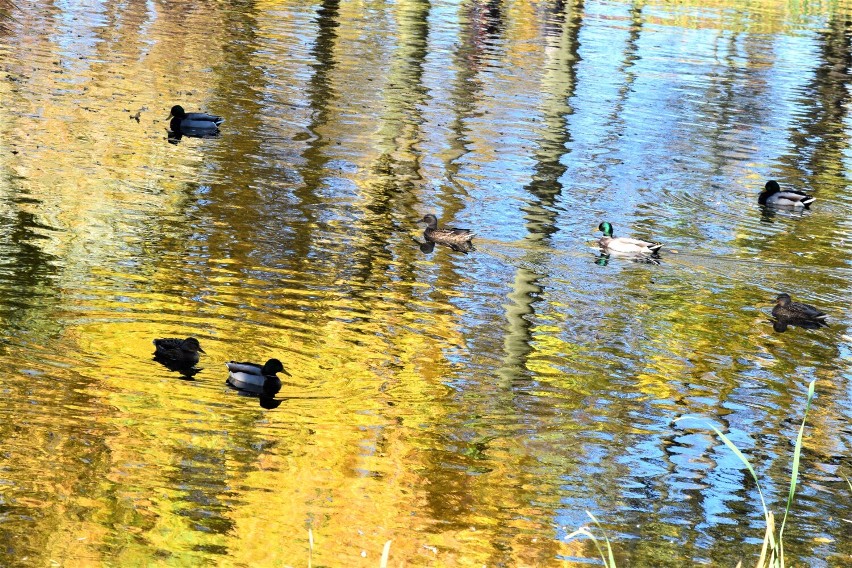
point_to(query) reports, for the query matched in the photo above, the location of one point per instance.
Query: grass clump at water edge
(772, 551)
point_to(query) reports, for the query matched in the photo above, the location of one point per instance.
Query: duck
(184, 351)
(786, 309)
(773, 195)
(625, 245)
(193, 122)
(250, 376)
(454, 237)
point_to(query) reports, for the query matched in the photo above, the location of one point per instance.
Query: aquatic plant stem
(772, 551)
(797, 454)
(608, 558)
(385, 555)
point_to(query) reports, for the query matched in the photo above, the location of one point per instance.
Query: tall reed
(772, 551)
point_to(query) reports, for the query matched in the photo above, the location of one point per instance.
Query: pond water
(468, 407)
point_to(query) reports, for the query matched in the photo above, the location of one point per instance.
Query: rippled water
(468, 407)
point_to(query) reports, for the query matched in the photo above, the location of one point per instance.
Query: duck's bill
(286, 373)
(200, 350)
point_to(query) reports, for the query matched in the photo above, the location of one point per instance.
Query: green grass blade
(588, 534)
(769, 536)
(768, 540)
(739, 455)
(611, 563)
(745, 461)
(797, 454)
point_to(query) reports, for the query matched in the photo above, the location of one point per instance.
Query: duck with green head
(250, 376)
(773, 195)
(193, 123)
(625, 245)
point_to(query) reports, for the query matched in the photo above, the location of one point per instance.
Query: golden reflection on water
(469, 408)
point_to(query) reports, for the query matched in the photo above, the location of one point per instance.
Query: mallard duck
(786, 309)
(772, 195)
(176, 350)
(625, 245)
(448, 236)
(193, 122)
(248, 375)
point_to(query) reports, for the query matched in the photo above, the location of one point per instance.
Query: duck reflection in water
(175, 136)
(187, 370)
(428, 247)
(266, 397)
(780, 324)
(768, 214)
(603, 258)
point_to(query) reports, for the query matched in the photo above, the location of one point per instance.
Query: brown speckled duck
(453, 237)
(786, 308)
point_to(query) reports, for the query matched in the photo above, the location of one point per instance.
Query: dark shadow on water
(603, 258)
(428, 247)
(264, 394)
(187, 370)
(781, 324)
(175, 137)
(769, 212)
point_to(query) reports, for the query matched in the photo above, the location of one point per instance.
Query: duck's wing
(808, 311)
(242, 380)
(790, 198)
(781, 323)
(628, 245)
(464, 246)
(243, 367)
(167, 344)
(203, 117)
(454, 233)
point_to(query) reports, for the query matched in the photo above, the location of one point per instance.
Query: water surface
(468, 407)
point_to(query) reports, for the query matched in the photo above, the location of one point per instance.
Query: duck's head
(191, 344)
(772, 186)
(177, 112)
(272, 367)
(783, 299)
(606, 228)
(430, 220)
